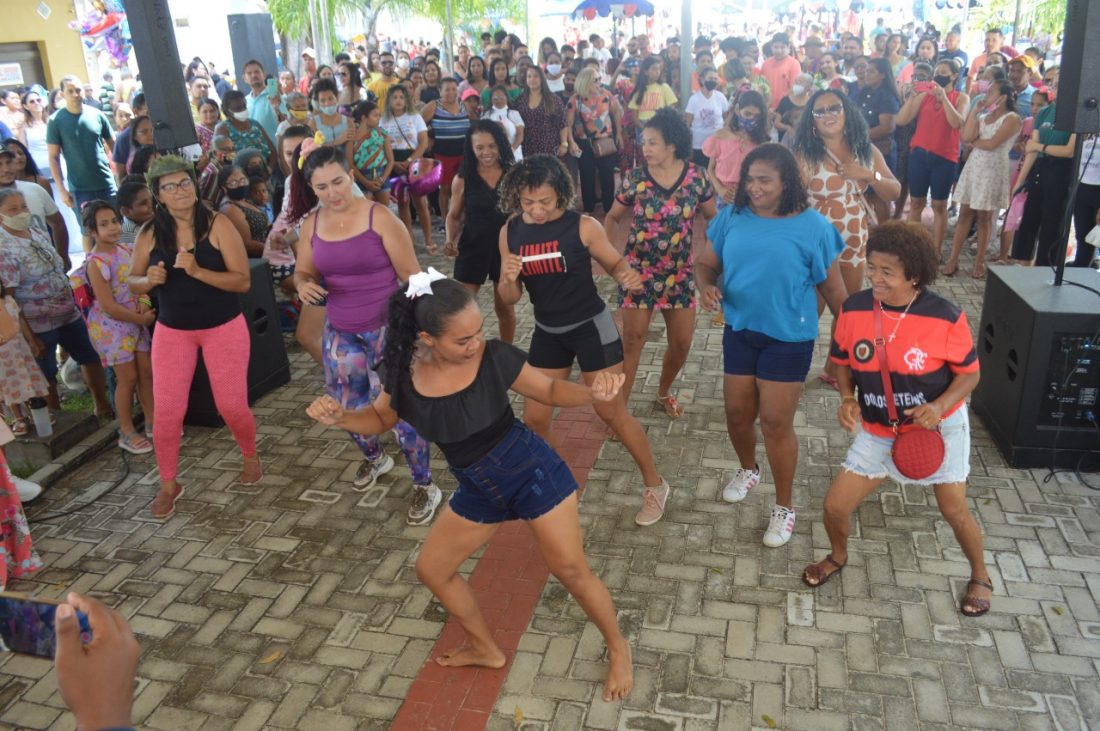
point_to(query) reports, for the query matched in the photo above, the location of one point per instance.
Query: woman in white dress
(983, 188)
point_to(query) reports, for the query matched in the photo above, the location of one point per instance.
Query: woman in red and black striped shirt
(933, 367)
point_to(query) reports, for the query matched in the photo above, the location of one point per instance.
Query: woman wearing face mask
(934, 150)
(508, 119)
(704, 114)
(593, 114)
(249, 220)
(362, 251)
(728, 147)
(554, 73)
(403, 64)
(790, 108)
(245, 132)
(983, 188)
(920, 72)
(327, 118)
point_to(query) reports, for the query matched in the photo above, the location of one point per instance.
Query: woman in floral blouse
(662, 196)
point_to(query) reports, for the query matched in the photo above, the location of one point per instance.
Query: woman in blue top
(771, 254)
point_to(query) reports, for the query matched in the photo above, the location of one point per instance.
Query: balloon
(428, 183)
(629, 9)
(589, 13)
(104, 24)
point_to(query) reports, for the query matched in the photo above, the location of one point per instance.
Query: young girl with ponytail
(441, 376)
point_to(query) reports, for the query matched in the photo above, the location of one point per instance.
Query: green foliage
(470, 12)
(1036, 16)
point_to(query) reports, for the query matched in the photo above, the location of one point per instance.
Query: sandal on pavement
(671, 405)
(814, 575)
(134, 443)
(164, 504)
(829, 381)
(19, 427)
(978, 272)
(977, 606)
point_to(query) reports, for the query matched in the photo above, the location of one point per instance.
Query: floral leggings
(350, 379)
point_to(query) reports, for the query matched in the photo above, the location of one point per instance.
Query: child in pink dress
(20, 377)
(118, 323)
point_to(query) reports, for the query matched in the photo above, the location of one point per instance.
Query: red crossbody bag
(918, 453)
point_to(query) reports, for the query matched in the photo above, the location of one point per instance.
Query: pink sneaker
(653, 504)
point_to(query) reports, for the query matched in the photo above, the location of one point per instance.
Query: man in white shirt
(597, 50)
(44, 212)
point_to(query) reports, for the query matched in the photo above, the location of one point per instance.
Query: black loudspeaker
(161, 74)
(251, 37)
(1040, 366)
(1078, 82)
(268, 366)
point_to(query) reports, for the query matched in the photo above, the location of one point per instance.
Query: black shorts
(473, 266)
(594, 345)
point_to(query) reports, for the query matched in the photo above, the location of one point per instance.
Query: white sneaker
(739, 485)
(26, 489)
(369, 472)
(780, 528)
(423, 502)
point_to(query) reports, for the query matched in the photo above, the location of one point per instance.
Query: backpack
(82, 286)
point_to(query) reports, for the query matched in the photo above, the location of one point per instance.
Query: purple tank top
(358, 276)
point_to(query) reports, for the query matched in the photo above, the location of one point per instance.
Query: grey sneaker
(369, 472)
(422, 504)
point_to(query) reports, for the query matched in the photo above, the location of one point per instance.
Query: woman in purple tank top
(361, 251)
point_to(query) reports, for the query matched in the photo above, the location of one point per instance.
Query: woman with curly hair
(474, 218)
(838, 164)
(771, 255)
(662, 196)
(727, 148)
(919, 327)
(547, 248)
(440, 374)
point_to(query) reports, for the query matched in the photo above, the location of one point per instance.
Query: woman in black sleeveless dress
(474, 219)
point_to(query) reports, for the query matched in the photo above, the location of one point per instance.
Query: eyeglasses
(185, 184)
(34, 101)
(343, 73)
(829, 111)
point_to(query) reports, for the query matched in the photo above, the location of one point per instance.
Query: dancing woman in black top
(550, 247)
(441, 375)
(474, 218)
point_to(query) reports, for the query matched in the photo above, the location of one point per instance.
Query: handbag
(1015, 213)
(917, 452)
(601, 146)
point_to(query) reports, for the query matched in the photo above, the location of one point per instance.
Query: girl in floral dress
(20, 377)
(662, 196)
(118, 323)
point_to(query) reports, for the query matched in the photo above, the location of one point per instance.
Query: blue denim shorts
(73, 337)
(522, 477)
(750, 353)
(869, 455)
(929, 171)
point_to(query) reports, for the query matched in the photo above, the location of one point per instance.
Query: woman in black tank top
(196, 262)
(549, 248)
(474, 218)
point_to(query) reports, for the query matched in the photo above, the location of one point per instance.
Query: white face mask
(798, 90)
(553, 69)
(403, 63)
(18, 222)
(241, 116)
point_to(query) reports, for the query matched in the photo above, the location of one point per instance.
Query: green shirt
(81, 139)
(1044, 126)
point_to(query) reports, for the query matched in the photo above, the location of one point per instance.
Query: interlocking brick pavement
(293, 604)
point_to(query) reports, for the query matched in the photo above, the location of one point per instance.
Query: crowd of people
(793, 158)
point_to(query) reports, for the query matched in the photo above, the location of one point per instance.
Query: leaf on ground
(517, 717)
(768, 720)
(272, 657)
(718, 571)
(1059, 611)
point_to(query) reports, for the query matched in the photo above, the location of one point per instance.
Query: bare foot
(252, 470)
(466, 655)
(620, 676)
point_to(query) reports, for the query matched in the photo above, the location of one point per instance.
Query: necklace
(900, 319)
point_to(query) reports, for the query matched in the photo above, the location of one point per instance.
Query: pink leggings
(175, 353)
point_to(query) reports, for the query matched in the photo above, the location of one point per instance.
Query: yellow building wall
(59, 47)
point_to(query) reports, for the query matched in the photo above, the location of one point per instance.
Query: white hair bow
(421, 283)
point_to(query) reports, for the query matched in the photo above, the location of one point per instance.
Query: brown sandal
(978, 606)
(814, 571)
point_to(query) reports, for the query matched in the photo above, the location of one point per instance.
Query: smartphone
(924, 86)
(272, 87)
(27, 625)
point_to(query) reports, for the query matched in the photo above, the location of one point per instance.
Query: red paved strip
(507, 581)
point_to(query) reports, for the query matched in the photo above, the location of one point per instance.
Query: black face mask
(944, 81)
(710, 85)
(237, 194)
